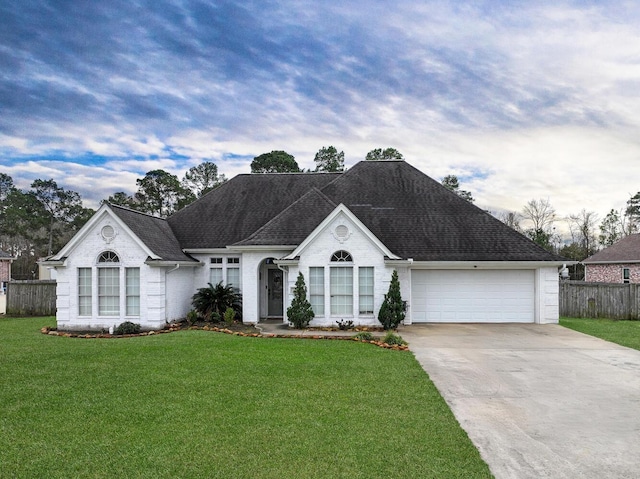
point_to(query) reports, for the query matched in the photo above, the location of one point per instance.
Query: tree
(451, 183)
(511, 219)
(61, 207)
(202, 178)
(160, 193)
(582, 228)
(329, 159)
(277, 161)
(632, 214)
(542, 217)
(392, 310)
(300, 312)
(386, 154)
(120, 198)
(611, 229)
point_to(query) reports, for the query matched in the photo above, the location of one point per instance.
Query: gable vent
(341, 233)
(108, 233)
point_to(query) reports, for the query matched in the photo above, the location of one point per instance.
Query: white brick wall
(85, 255)
(364, 253)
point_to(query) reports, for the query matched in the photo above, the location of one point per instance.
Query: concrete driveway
(538, 400)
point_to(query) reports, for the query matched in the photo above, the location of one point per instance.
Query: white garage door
(476, 296)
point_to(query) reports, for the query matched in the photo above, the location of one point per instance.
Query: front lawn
(625, 333)
(202, 404)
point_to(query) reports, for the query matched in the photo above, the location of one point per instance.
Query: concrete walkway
(539, 401)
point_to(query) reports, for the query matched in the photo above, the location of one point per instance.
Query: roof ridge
(126, 208)
(312, 190)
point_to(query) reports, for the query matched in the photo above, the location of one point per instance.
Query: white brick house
(346, 233)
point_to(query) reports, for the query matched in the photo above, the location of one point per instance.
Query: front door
(274, 293)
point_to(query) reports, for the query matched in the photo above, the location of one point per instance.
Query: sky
(520, 100)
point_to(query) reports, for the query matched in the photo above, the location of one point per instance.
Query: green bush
(344, 325)
(300, 312)
(211, 302)
(192, 317)
(364, 336)
(392, 311)
(127, 328)
(392, 338)
(229, 315)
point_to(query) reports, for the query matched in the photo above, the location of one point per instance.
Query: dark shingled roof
(238, 208)
(4, 255)
(412, 214)
(153, 232)
(624, 251)
(295, 223)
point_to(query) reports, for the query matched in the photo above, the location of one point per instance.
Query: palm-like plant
(211, 302)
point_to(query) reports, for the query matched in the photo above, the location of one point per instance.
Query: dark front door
(274, 293)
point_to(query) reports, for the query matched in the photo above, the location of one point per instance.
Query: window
(108, 291)
(215, 260)
(215, 275)
(233, 277)
(316, 290)
(84, 291)
(132, 287)
(626, 275)
(108, 257)
(341, 257)
(341, 290)
(365, 281)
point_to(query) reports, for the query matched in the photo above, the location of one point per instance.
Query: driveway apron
(537, 400)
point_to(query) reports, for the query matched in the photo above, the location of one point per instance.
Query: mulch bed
(237, 329)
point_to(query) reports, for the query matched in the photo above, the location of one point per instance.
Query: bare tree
(542, 217)
(582, 227)
(512, 219)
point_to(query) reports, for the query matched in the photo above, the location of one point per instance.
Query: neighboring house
(346, 232)
(619, 263)
(5, 277)
(5, 270)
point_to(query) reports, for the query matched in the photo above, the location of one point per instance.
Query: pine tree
(300, 312)
(392, 311)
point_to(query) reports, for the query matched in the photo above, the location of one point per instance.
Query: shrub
(192, 317)
(392, 338)
(229, 315)
(392, 311)
(344, 325)
(364, 336)
(211, 302)
(300, 312)
(127, 328)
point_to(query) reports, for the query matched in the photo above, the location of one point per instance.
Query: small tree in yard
(392, 312)
(300, 312)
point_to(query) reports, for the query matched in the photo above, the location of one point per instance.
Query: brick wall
(611, 273)
(5, 271)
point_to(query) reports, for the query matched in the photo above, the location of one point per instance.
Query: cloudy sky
(519, 99)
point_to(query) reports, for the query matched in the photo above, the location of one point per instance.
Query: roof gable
(338, 211)
(150, 233)
(626, 250)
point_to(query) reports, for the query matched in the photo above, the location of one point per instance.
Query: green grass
(202, 404)
(625, 333)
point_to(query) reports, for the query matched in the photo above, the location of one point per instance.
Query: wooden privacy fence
(31, 298)
(599, 300)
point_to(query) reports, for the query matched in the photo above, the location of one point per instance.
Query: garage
(472, 296)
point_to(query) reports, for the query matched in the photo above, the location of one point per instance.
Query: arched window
(108, 257)
(341, 257)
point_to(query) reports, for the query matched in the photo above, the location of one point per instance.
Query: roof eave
(165, 263)
(484, 264)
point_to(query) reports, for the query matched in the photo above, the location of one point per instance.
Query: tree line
(37, 222)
